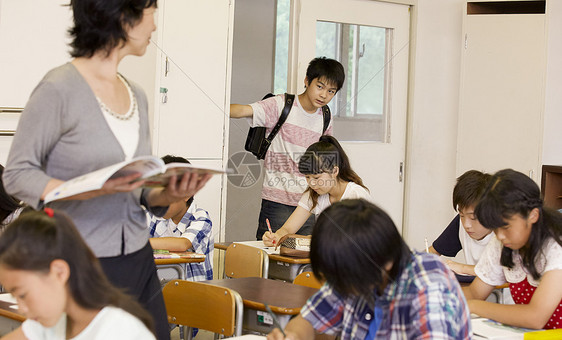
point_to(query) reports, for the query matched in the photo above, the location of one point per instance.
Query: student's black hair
(100, 25)
(509, 193)
(8, 204)
(469, 189)
(34, 240)
(323, 156)
(177, 159)
(325, 68)
(351, 243)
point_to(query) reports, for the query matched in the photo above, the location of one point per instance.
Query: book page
(490, 329)
(178, 169)
(259, 244)
(146, 165)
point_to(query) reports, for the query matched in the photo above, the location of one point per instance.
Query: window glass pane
(370, 73)
(281, 46)
(359, 107)
(326, 45)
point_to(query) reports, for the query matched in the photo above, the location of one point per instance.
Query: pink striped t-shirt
(283, 183)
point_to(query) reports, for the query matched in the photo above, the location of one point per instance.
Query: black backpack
(257, 143)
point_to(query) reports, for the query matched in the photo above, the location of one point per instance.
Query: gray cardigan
(62, 134)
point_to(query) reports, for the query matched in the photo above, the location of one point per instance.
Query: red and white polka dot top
(521, 283)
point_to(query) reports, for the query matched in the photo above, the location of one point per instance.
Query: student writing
(465, 232)
(330, 179)
(526, 253)
(282, 185)
(376, 288)
(59, 284)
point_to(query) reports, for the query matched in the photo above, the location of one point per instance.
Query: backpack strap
(289, 99)
(327, 116)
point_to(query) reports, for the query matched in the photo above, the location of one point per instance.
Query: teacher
(84, 116)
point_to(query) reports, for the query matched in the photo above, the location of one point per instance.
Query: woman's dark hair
(8, 204)
(509, 193)
(351, 243)
(36, 239)
(329, 69)
(469, 189)
(100, 25)
(323, 156)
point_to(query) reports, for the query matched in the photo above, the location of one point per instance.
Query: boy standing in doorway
(283, 185)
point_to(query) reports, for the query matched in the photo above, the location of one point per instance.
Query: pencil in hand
(276, 323)
(269, 228)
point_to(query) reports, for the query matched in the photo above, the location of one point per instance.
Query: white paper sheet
(259, 244)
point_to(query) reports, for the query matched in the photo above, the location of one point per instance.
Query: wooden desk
(10, 318)
(281, 267)
(163, 266)
(285, 300)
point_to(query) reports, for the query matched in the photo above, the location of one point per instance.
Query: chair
(205, 306)
(498, 293)
(241, 260)
(307, 279)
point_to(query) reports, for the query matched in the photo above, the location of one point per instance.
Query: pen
(269, 227)
(275, 320)
(426, 246)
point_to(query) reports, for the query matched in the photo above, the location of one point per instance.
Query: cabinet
(192, 90)
(502, 87)
(551, 186)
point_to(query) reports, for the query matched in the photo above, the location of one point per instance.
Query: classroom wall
(430, 159)
(252, 77)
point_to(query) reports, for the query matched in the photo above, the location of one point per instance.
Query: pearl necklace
(132, 109)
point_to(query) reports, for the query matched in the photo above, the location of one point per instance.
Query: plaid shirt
(425, 302)
(196, 226)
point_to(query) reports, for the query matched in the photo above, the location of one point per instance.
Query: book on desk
(488, 329)
(165, 254)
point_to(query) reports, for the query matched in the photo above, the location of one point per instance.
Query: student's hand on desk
(277, 335)
(460, 268)
(270, 239)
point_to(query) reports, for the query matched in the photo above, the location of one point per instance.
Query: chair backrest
(307, 279)
(242, 260)
(202, 305)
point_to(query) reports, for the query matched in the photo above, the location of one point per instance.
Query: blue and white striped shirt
(196, 226)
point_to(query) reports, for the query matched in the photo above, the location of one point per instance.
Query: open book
(153, 170)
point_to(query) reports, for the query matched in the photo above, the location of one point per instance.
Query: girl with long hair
(60, 286)
(526, 253)
(330, 179)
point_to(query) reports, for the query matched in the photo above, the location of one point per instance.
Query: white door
(375, 143)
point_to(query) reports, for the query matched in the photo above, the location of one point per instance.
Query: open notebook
(259, 244)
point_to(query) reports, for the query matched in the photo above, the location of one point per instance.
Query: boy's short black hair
(177, 159)
(329, 69)
(351, 243)
(469, 189)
